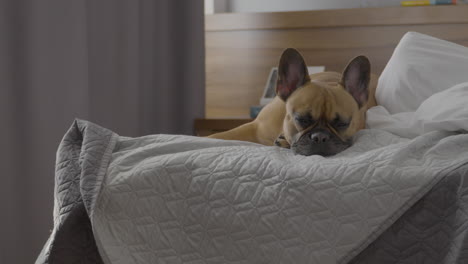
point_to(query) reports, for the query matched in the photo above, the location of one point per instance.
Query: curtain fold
(135, 67)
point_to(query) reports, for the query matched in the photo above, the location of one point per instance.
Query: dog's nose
(319, 137)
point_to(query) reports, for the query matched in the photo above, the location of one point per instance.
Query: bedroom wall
(242, 6)
(252, 42)
(136, 67)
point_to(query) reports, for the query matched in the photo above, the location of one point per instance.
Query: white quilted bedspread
(180, 199)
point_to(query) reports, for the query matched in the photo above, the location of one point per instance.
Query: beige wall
(242, 6)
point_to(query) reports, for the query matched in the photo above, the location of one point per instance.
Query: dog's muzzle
(318, 142)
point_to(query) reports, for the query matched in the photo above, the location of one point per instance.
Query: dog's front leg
(282, 142)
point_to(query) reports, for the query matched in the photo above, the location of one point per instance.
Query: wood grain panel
(238, 61)
(339, 18)
(333, 38)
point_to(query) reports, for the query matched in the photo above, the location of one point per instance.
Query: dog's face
(322, 114)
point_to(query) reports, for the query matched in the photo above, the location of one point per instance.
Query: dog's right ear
(356, 78)
(292, 73)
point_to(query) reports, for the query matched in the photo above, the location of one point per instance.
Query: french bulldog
(312, 115)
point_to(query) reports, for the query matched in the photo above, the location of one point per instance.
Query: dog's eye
(300, 120)
(304, 122)
(342, 125)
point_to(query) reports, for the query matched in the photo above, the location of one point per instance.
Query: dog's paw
(282, 142)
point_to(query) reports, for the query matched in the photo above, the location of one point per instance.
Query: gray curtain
(135, 67)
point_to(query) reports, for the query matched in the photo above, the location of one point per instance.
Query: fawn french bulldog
(313, 115)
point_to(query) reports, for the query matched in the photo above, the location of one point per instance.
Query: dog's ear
(292, 73)
(356, 79)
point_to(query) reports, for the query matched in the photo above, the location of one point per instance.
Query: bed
(398, 195)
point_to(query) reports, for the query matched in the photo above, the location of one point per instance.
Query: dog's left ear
(356, 79)
(292, 73)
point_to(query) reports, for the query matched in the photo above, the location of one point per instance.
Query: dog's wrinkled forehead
(324, 102)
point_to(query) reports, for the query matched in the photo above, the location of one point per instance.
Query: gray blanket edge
(82, 159)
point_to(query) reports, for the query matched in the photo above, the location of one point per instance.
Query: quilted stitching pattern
(84, 150)
(174, 199)
(435, 230)
(219, 214)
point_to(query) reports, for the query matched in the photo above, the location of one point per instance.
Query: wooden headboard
(241, 48)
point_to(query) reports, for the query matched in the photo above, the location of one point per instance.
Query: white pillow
(420, 66)
(443, 111)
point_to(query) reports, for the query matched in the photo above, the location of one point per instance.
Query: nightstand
(204, 127)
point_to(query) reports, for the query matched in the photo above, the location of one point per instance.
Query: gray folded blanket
(181, 199)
